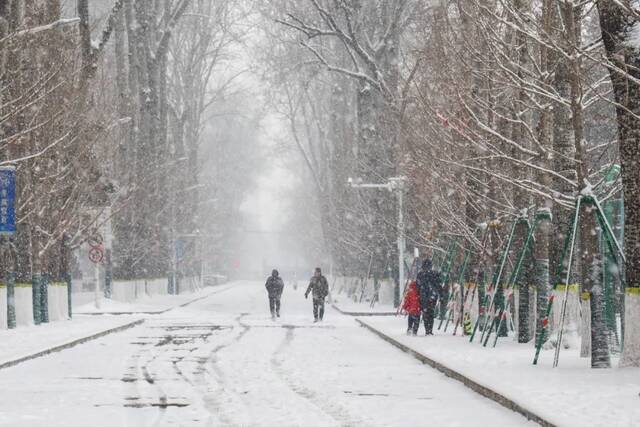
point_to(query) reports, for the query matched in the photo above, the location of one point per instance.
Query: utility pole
(396, 184)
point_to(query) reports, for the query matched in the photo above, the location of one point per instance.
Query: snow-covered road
(223, 362)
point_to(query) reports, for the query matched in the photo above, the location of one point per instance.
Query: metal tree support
(569, 244)
(612, 211)
(496, 279)
(499, 312)
(460, 282)
(496, 282)
(528, 246)
(485, 239)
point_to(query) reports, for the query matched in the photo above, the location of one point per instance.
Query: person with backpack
(319, 289)
(411, 306)
(429, 289)
(274, 286)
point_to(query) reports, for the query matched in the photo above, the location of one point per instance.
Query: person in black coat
(274, 286)
(430, 290)
(319, 289)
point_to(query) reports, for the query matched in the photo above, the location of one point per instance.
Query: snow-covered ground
(145, 304)
(572, 394)
(223, 361)
(347, 305)
(26, 340)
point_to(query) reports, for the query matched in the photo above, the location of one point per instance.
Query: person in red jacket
(411, 306)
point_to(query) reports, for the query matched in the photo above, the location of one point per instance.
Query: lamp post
(396, 184)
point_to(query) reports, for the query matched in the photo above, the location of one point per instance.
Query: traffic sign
(181, 249)
(96, 255)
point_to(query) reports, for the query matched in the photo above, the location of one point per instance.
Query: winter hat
(274, 273)
(426, 264)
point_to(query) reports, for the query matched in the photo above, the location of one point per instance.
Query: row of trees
(108, 109)
(494, 109)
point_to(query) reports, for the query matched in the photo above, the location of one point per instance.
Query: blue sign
(181, 249)
(7, 200)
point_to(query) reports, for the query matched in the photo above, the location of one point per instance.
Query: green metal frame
(460, 281)
(498, 311)
(483, 314)
(515, 275)
(569, 244)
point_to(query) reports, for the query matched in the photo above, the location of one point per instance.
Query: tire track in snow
(144, 371)
(213, 398)
(341, 415)
(139, 371)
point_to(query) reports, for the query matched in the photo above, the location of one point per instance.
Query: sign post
(7, 231)
(96, 255)
(7, 200)
(180, 251)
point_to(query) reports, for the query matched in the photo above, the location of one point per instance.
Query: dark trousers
(414, 323)
(274, 305)
(427, 317)
(318, 308)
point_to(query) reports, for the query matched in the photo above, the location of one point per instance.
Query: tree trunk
(592, 289)
(615, 23)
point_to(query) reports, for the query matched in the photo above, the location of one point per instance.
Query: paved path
(223, 362)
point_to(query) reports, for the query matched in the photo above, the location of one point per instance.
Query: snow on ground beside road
(223, 361)
(349, 306)
(145, 304)
(26, 340)
(572, 394)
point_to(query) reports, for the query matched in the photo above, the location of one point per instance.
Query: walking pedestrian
(319, 288)
(429, 289)
(411, 306)
(274, 286)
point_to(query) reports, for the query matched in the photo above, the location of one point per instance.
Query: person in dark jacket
(430, 291)
(319, 288)
(274, 286)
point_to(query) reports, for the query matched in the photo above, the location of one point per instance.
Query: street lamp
(396, 184)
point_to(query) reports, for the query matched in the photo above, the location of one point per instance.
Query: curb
(363, 314)
(468, 382)
(70, 344)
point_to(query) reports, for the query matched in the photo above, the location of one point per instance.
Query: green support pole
(542, 336)
(460, 282)
(10, 280)
(485, 297)
(36, 298)
(616, 259)
(496, 284)
(613, 213)
(465, 319)
(44, 301)
(526, 248)
(611, 242)
(503, 305)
